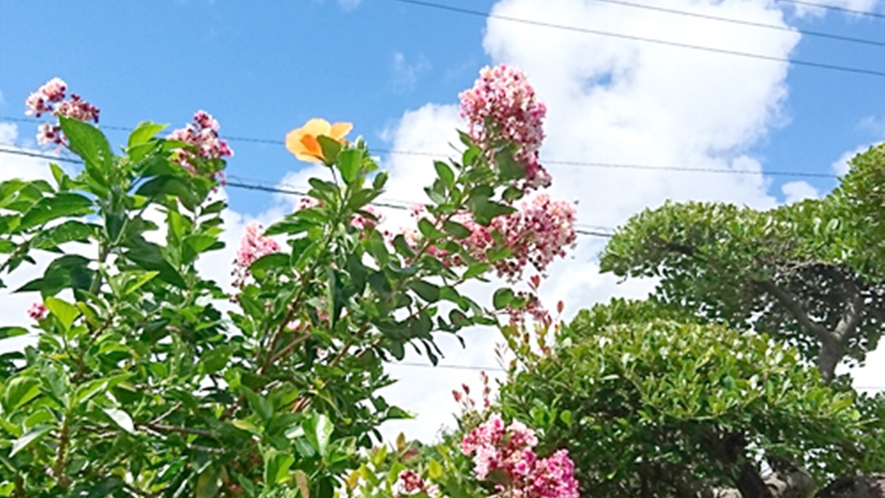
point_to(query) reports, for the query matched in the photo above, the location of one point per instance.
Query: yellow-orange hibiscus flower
(303, 141)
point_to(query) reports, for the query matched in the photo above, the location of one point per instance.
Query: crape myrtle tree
(810, 273)
(139, 385)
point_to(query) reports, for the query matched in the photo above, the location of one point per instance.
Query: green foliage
(809, 273)
(649, 404)
(140, 386)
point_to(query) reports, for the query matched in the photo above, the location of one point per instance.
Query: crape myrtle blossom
(50, 99)
(539, 231)
(253, 245)
(502, 108)
(202, 135)
(506, 455)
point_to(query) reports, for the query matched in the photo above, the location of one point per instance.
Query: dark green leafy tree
(652, 404)
(811, 274)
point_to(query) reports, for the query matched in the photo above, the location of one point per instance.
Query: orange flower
(303, 141)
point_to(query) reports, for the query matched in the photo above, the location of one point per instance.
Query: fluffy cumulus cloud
(798, 191)
(610, 101)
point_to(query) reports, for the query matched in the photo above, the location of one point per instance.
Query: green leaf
(434, 469)
(175, 186)
(30, 437)
(445, 173)
(484, 210)
(149, 256)
(60, 177)
(402, 247)
(19, 391)
(64, 311)
(144, 132)
(143, 278)
(121, 418)
(260, 405)
(502, 298)
(89, 143)
(7, 332)
(69, 231)
(276, 466)
(456, 229)
(508, 167)
(350, 162)
(208, 483)
(269, 261)
(216, 358)
(330, 147)
(318, 431)
(428, 230)
(58, 206)
(476, 270)
(380, 180)
(428, 292)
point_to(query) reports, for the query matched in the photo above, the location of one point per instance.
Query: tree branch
(795, 309)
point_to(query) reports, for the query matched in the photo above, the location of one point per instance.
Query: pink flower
(364, 223)
(37, 311)
(502, 106)
(509, 452)
(553, 477)
(253, 245)
(202, 134)
(53, 92)
(537, 233)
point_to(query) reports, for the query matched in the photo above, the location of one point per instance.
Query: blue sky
(394, 70)
(262, 70)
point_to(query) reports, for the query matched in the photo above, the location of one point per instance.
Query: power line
(850, 39)
(585, 164)
(235, 183)
(865, 13)
(818, 65)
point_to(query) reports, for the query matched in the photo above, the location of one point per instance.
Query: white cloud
(840, 166)
(802, 9)
(405, 74)
(798, 191)
(8, 133)
(349, 4)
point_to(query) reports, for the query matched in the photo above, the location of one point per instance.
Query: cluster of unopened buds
(37, 311)
(505, 455)
(412, 483)
(502, 107)
(202, 137)
(50, 99)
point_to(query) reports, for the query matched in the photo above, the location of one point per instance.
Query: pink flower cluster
(203, 135)
(507, 454)
(502, 106)
(412, 483)
(50, 98)
(539, 231)
(37, 311)
(253, 245)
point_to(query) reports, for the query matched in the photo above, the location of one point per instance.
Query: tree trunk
(870, 486)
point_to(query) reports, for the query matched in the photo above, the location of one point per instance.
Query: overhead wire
(776, 27)
(235, 182)
(657, 41)
(837, 8)
(546, 161)
(255, 186)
